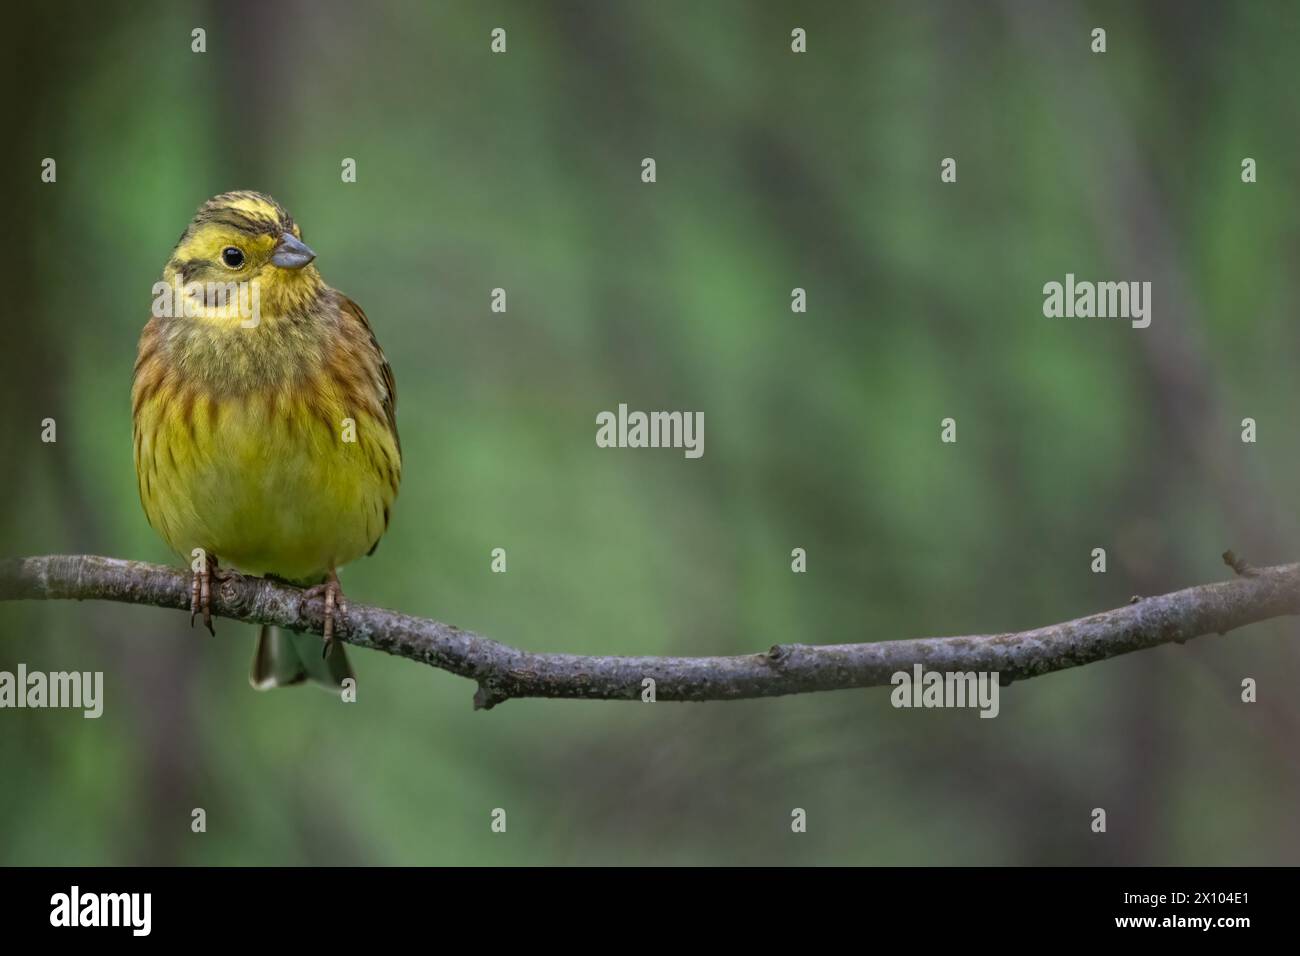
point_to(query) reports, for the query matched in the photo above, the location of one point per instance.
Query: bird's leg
(201, 593)
(194, 595)
(335, 605)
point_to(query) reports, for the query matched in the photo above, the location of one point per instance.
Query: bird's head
(247, 237)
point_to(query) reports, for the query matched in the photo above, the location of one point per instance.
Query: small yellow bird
(265, 422)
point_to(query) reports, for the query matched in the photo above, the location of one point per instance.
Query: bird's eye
(232, 257)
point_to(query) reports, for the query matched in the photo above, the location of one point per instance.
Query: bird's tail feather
(285, 658)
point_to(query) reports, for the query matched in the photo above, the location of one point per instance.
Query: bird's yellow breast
(285, 481)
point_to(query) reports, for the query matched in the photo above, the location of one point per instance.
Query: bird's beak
(291, 252)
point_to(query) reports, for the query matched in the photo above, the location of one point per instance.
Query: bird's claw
(336, 606)
(201, 597)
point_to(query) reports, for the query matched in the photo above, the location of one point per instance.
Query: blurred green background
(775, 170)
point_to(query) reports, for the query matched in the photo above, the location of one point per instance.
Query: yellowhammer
(265, 421)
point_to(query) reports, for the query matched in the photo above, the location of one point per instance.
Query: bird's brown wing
(352, 312)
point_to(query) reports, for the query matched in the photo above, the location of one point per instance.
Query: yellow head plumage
(247, 237)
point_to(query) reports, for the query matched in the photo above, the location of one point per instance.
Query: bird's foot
(336, 606)
(201, 593)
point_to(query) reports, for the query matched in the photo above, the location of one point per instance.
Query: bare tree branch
(503, 672)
